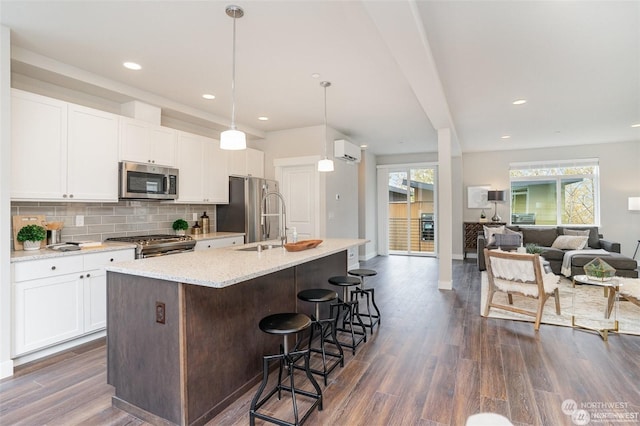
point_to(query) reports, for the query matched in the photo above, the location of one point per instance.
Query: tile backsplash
(105, 220)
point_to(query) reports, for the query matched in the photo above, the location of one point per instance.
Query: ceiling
(398, 68)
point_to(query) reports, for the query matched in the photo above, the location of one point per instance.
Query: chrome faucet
(282, 216)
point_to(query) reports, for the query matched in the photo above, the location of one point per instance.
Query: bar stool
(326, 327)
(285, 324)
(351, 311)
(362, 273)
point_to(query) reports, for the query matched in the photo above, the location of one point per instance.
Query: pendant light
(325, 165)
(233, 139)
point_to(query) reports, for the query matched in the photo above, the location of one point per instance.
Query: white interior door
(299, 187)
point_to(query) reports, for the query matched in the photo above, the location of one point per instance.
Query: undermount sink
(264, 247)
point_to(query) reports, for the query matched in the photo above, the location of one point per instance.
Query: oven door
(142, 181)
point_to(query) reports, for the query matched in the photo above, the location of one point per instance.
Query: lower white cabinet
(218, 243)
(61, 298)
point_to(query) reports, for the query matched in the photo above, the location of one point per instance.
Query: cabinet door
(95, 300)
(47, 311)
(215, 174)
(134, 144)
(162, 145)
(92, 173)
(190, 183)
(246, 162)
(38, 147)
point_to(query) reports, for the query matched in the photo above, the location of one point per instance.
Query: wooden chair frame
(542, 294)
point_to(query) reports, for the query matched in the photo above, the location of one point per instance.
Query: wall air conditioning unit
(347, 151)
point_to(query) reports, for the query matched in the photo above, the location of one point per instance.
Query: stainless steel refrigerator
(244, 211)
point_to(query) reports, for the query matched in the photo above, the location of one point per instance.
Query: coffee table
(611, 289)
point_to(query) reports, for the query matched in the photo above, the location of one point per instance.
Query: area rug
(586, 302)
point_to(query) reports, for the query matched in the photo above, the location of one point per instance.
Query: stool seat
(317, 295)
(284, 323)
(344, 281)
(363, 272)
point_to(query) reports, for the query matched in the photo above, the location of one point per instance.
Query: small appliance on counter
(204, 223)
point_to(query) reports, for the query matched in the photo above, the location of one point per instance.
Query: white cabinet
(60, 298)
(144, 142)
(203, 170)
(246, 162)
(61, 151)
(218, 243)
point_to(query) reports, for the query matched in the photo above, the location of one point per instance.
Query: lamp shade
(495, 195)
(325, 165)
(233, 140)
(634, 203)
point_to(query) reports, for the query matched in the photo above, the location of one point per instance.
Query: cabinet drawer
(102, 259)
(219, 242)
(46, 268)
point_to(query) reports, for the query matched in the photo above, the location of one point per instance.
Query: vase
(180, 232)
(31, 245)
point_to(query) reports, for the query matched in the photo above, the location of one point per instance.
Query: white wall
(6, 365)
(339, 217)
(619, 179)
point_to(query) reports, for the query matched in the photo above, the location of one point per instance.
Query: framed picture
(477, 197)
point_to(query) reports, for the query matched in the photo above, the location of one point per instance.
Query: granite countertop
(216, 235)
(46, 253)
(226, 266)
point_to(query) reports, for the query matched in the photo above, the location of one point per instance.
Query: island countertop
(222, 267)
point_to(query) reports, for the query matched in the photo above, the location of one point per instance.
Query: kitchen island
(182, 331)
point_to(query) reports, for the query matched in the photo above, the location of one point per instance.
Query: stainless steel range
(158, 245)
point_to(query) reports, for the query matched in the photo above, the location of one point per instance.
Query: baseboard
(6, 369)
(33, 356)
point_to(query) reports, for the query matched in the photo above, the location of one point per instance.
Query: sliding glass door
(411, 211)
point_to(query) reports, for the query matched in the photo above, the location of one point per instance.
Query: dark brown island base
(178, 352)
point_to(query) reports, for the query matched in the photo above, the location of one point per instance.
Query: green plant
(180, 224)
(32, 233)
(534, 248)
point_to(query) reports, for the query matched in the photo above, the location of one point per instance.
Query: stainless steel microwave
(147, 181)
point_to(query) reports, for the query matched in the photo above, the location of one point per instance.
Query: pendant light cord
(233, 78)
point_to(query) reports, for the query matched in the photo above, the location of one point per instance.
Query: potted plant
(534, 248)
(599, 270)
(180, 226)
(31, 235)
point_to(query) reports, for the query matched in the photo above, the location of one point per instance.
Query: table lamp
(496, 196)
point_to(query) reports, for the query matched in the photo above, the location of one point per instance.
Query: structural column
(445, 210)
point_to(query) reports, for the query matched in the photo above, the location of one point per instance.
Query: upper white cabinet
(246, 162)
(203, 170)
(144, 142)
(74, 146)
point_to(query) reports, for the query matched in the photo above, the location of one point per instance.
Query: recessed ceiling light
(505, 137)
(315, 75)
(519, 101)
(208, 96)
(263, 118)
(635, 125)
(132, 66)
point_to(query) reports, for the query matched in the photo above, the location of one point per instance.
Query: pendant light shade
(325, 165)
(233, 139)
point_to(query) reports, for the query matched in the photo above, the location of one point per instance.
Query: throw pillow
(594, 236)
(570, 242)
(576, 232)
(489, 232)
(508, 239)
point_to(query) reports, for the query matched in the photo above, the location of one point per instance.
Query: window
(555, 193)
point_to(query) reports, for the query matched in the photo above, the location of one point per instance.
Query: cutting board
(23, 220)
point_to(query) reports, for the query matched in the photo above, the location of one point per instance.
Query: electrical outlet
(79, 220)
(195, 216)
(160, 313)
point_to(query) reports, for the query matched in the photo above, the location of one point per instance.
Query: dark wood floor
(434, 361)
